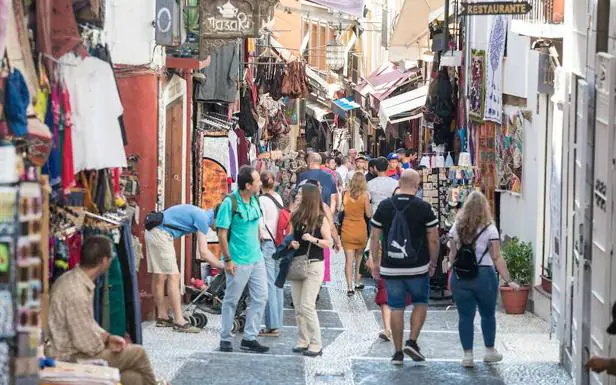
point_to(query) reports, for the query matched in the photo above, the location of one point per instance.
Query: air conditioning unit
(168, 23)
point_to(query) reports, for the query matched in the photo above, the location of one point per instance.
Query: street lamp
(335, 55)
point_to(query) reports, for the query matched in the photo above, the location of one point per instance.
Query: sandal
(269, 333)
(359, 286)
(385, 335)
(163, 323)
(350, 293)
(186, 328)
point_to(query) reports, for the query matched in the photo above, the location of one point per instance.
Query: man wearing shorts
(402, 277)
(178, 221)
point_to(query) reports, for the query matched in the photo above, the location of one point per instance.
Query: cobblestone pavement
(352, 352)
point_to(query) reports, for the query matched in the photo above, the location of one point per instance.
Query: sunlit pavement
(352, 352)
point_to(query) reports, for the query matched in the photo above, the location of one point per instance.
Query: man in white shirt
(381, 187)
(344, 169)
(271, 204)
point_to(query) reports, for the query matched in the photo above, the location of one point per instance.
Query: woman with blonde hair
(357, 208)
(475, 232)
(311, 234)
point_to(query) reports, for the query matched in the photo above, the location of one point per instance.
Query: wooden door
(173, 158)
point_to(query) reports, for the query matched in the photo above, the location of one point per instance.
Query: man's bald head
(409, 181)
(314, 159)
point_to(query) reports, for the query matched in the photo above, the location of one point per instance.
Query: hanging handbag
(298, 270)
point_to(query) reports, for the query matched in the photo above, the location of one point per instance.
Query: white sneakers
(492, 356)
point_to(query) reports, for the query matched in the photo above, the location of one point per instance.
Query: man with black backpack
(409, 230)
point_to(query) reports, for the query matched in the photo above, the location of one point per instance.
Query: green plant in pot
(518, 256)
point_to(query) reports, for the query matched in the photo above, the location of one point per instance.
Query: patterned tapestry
(494, 70)
(510, 148)
(485, 159)
(477, 84)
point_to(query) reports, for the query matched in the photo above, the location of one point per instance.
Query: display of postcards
(28, 343)
(4, 363)
(30, 272)
(28, 319)
(8, 210)
(26, 366)
(7, 325)
(428, 186)
(30, 201)
(5, 262)
(28, 251)
(29, 294)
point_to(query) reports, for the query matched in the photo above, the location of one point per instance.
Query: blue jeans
(275, 296)
(480, 292)
(398, 288)
(255, 277)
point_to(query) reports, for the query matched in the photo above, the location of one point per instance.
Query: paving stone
(373, 372)
(240, 369)
(324, 302)
(435, 320)
(327, 319)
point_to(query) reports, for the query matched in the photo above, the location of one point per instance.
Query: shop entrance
(173, 158)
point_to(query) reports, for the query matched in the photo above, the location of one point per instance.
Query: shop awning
(316, 110)
(402, 107)
(385, 80)
(412, 21)
(346, 104)
(351, 7)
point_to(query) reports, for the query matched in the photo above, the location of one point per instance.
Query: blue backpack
(400, 249)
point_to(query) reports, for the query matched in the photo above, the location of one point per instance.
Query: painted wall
(288, 27)
(516, 65)
(140, 100)
(130, 34)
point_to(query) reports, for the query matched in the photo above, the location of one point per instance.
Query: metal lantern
(335, 55)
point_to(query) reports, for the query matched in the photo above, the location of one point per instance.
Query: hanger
(101, 218)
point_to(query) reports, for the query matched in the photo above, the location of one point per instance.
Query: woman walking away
(357, 208)
(475, 285)
(311, 233)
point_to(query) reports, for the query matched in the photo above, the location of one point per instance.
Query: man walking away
(381, 187)
(238, 221)
(178, 221)
(345, 167)
(329, 191)
(372, 171)
(410, 252)
(73, 331)
(271, 205)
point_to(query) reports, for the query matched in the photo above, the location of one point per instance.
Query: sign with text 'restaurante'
(496, 8)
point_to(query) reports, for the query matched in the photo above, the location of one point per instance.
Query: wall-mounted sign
(224, 20)
(496, 8)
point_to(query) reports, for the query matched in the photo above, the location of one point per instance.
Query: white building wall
(130, 34)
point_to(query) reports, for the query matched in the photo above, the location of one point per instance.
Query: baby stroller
(209, 300)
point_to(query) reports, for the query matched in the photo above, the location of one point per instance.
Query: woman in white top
(474, 224)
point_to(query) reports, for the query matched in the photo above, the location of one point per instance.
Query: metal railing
(545, 12)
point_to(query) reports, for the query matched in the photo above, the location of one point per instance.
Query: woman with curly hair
(474, 226)
(354, 234)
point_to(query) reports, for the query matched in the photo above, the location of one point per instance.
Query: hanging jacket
(284, 255)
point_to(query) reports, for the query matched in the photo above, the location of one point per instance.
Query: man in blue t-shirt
(178, 221)
(329, 191)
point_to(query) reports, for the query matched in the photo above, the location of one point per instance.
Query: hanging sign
(224, 20)
(496, 8)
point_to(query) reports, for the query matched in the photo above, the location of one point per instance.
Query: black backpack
(400, 250)
(466, 265)
(155, 219)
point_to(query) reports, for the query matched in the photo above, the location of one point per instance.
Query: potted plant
(519, 258)
(546, 278)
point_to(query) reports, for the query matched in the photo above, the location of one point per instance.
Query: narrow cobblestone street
(353, 354)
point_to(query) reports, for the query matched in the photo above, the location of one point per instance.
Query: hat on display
(612, 328)
(392, 156)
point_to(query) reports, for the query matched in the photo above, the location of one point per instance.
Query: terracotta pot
(546, 284)
(514, 301)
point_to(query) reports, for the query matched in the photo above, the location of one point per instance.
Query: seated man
(73, 332)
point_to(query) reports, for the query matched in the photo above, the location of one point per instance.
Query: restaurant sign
(223, 20)
(496, 8)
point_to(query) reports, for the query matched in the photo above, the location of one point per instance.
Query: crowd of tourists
(352, 203)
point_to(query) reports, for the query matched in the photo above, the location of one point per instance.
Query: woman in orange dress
(357, 208)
